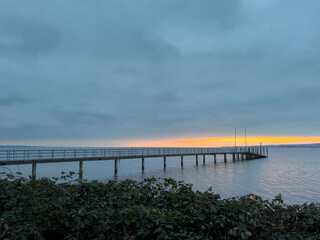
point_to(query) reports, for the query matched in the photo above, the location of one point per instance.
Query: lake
(293, 172)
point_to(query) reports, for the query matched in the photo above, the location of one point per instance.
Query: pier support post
(225, 157)
(80, 170)
(215, 158)
(164, 162)
(181, 161)
(242, 156)
(238, 156)
(142, 161)
(267, 152)
(34, 171)
(233, 156)
(204, 159)
(115, 166)
(197, 160)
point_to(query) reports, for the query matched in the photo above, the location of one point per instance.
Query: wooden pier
(34, 157)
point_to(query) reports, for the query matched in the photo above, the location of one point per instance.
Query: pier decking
(34, 157)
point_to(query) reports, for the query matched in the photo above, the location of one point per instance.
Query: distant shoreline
(312, 145)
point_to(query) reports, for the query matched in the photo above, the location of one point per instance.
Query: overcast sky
(102, 71)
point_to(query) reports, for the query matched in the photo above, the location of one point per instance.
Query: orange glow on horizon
(221, 141)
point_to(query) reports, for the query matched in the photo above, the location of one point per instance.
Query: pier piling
(115, 166)
(34, 170)
(80, 170)
(142, 161)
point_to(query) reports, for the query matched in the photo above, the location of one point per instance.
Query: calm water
(293, 172)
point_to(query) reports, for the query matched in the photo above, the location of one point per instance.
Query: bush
(152, 209)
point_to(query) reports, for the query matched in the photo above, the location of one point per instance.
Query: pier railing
(52, 154)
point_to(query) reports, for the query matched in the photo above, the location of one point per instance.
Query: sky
(159, 73)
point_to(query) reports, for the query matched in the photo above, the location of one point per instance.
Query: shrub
(152, 209)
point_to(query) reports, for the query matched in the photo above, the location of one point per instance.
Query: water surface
(293, 172)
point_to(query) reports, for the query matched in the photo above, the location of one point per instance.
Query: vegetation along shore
(152, 209)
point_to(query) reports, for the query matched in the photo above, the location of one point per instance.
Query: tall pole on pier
(245, 135)
(235, 137)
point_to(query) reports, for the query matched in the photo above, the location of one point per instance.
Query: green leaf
(248, 233)
(232, 232)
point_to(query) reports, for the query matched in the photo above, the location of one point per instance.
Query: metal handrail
(44, 154)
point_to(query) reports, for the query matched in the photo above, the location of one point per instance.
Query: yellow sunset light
(222, 141)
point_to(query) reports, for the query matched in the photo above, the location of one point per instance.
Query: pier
(34, 157)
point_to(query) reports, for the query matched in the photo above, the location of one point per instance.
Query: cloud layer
(125, 70)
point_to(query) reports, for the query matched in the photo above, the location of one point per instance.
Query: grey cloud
(28, 39)
(82, 117)
(167, 97)
(166, 69)
(10, 100)
(223, 15)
